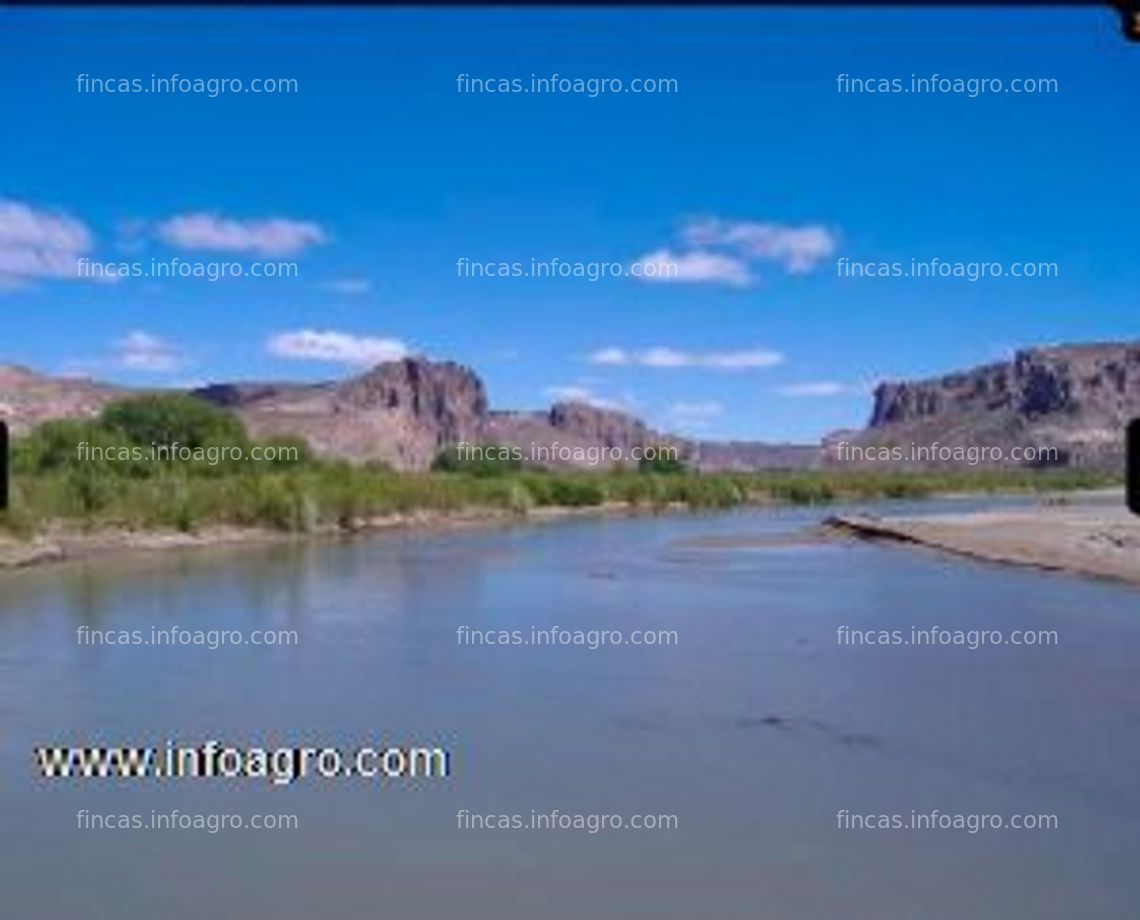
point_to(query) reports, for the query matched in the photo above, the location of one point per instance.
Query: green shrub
(92, 489)
(665, 461)
(173, 418)
(576, 492)
(65, 444)
(478, 460)
(290, 453)
(54, 481)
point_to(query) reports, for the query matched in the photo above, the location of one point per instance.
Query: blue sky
(376, 176)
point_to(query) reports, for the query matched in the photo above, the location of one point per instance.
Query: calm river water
(755, 728)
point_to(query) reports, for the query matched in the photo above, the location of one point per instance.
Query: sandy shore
(1102, 541)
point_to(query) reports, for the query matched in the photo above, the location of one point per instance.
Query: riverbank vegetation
(174, 462)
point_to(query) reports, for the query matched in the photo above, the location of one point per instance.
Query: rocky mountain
(401, 412)
(1066, 405)
(560, 437)
(1069, 404)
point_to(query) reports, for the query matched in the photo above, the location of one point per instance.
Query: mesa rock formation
(401, 412)
(1070, 403)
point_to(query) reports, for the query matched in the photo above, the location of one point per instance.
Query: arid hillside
(1069, 404)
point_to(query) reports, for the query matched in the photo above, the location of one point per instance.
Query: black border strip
(1133, 473)
(3, 465)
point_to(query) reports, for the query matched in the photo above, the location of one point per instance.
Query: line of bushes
(55, 480)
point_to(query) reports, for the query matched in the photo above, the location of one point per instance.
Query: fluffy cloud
(137, 351)
(585, 395)
(695, 412)
(141, 351)
(667, 358)
(38, 244)
(339, 347)
(713, 250)
(796, 249)
(695, 267)
(272, 237)
(819, 388)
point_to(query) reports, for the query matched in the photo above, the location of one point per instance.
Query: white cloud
(585, 395)
(347, 286)
(141, 351)
(339, 347)
(610, 356)
(819, 388)
(38, 244)
(136, 351)
(20, 225)
(273, 237)
(714, 250)
(797, 249)
(696, 267)
(693, 412)
(667, 358)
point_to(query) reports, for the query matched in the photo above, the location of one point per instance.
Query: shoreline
(62, 545)
(1089, 541)
(1094, 539)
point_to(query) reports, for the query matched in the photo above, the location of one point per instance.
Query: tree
(664, 460)
(173, 418)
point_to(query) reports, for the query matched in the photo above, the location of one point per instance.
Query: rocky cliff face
(613, 429)
(557, 438)
(402, 412)
(1070, 404)
(1074, 400)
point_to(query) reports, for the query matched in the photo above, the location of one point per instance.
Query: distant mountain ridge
(400, 412)
(405, 412)
(1074, 399)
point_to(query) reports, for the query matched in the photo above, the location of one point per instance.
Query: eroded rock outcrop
(400, 412)
(1071, 403)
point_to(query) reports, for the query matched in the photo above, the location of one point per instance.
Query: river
(748, 722)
